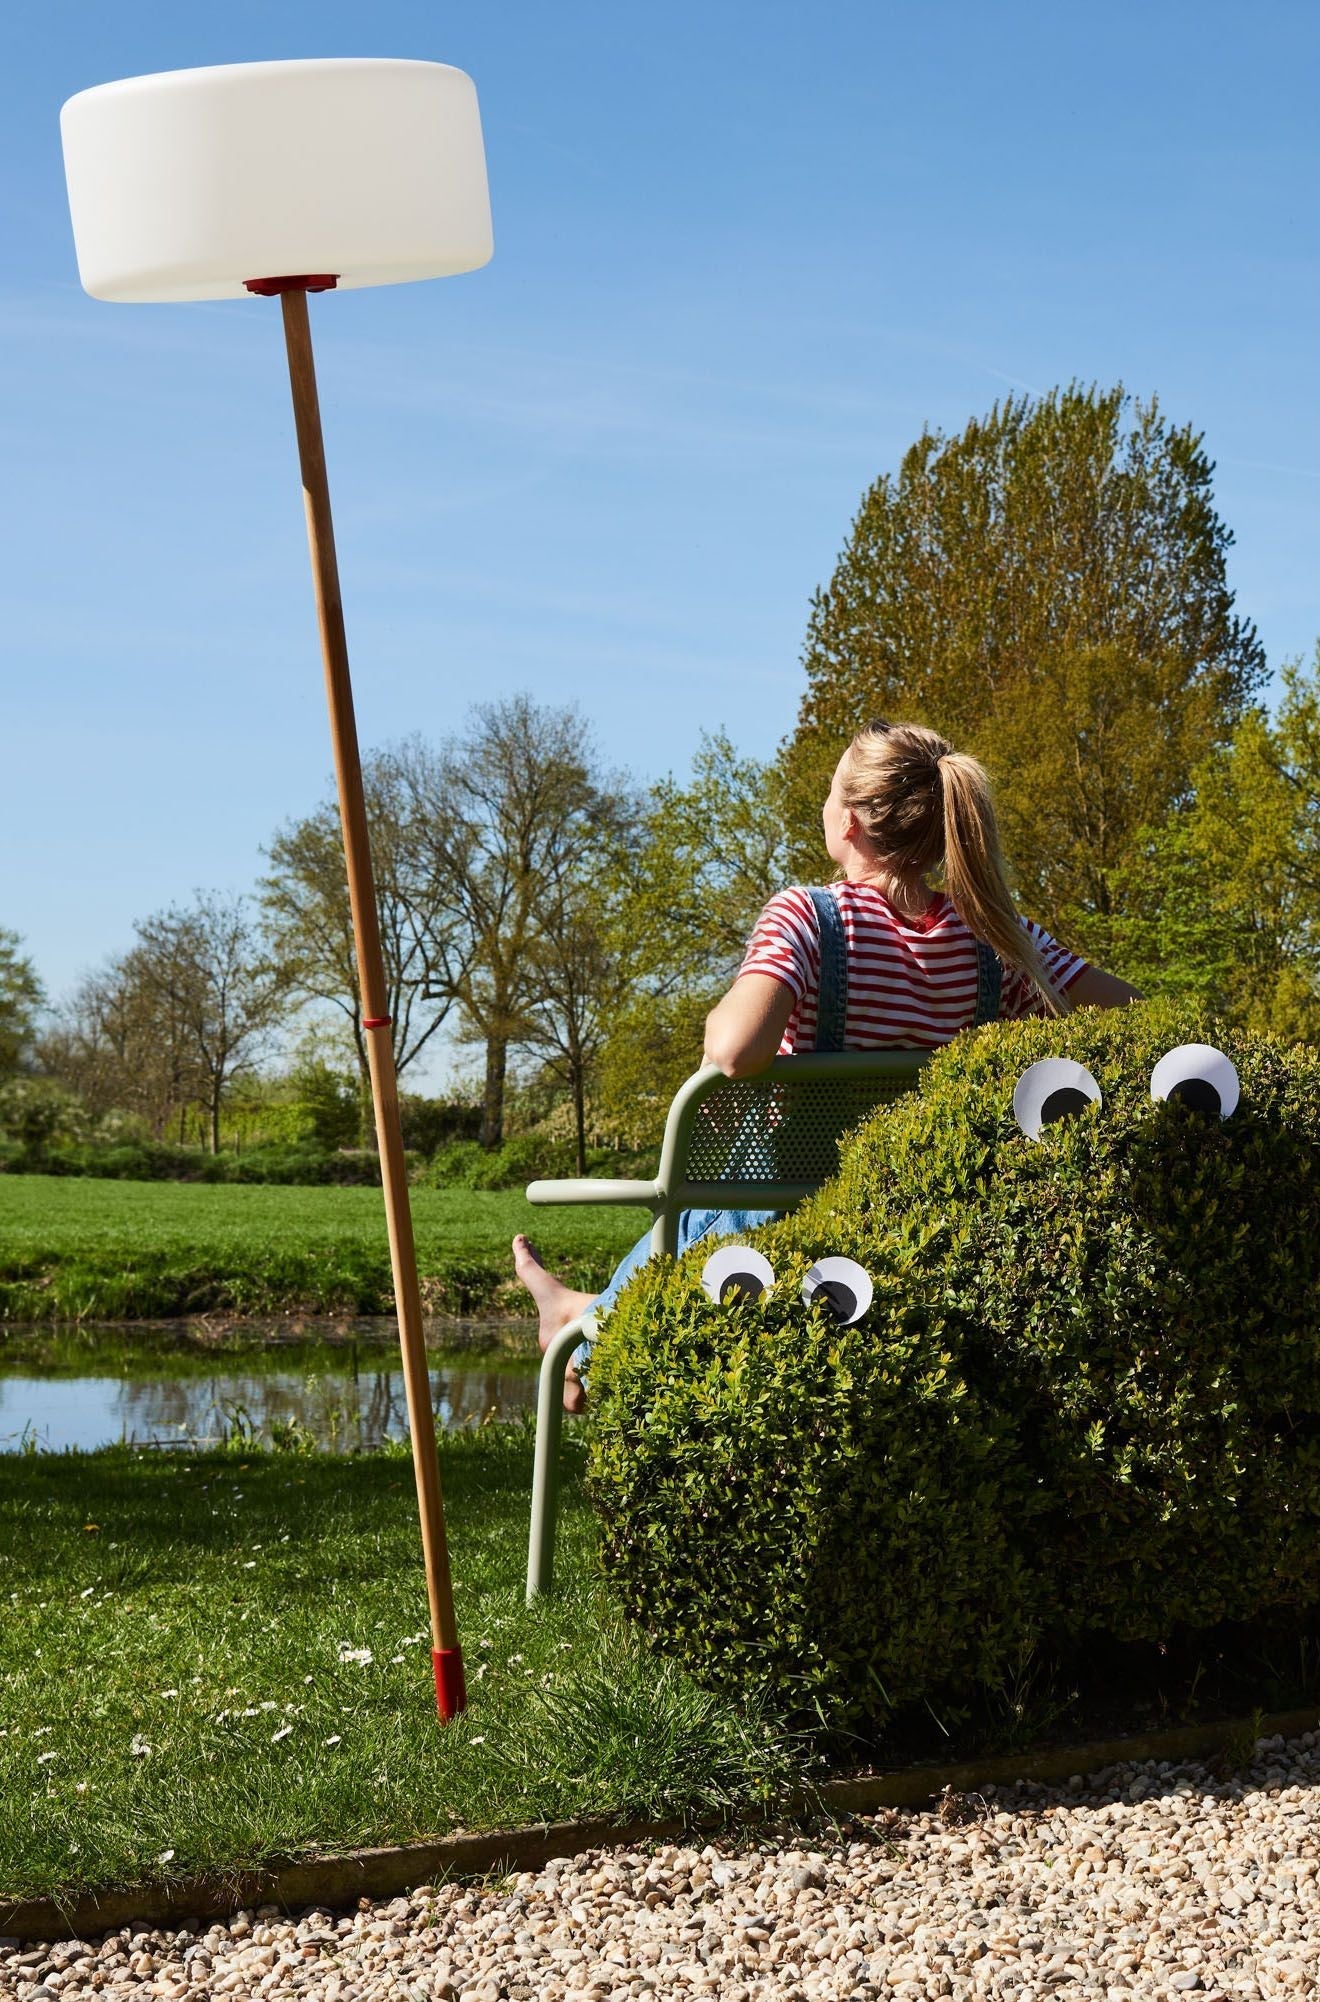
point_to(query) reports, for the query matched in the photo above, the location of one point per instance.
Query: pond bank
(194, 1345)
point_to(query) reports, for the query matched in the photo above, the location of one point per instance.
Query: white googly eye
(1055, 1088)
(1199, 1076)
(842, 1284)
(736, 1272)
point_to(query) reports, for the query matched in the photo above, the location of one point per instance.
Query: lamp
(281, 179)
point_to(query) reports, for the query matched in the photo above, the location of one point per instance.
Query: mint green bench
(760, 1142)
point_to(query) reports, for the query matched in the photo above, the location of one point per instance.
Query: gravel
(1144, 1880)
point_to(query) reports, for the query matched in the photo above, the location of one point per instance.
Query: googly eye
(736, 1272)
(842, 1284)
(1055, 1088)
(1201, 1077)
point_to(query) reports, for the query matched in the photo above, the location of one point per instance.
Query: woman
(903, 803)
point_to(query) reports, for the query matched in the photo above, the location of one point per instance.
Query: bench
(762, 1142)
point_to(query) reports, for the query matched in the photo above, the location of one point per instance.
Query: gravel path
(1150, 1881)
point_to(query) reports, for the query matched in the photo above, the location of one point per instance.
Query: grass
(213, 1661)
(74, 1249)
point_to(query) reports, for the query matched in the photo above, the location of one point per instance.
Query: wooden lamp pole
(370, 171)
(446, 1653)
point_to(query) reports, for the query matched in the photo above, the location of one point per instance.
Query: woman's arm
(745, 1029)
(1094, 989)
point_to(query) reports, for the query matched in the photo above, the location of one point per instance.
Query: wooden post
(446, 1654)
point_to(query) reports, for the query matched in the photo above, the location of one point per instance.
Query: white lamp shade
(186, 184)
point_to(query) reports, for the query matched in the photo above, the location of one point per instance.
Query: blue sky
(743, 254)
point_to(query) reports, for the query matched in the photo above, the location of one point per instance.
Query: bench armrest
(594, 1189)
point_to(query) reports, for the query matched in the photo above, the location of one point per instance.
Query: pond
(342, 1391)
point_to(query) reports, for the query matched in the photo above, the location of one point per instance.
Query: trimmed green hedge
(155, 1161)
(1085, 1400)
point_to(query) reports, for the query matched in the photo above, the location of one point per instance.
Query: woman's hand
(745, 1029)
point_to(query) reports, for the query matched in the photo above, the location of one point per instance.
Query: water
(342, 1400)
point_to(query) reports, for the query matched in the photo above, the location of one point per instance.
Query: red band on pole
(450, 1687)
(376, 1021)
(270, 288)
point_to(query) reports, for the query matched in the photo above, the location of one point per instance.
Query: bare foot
(575, 1397)
(556, 1303)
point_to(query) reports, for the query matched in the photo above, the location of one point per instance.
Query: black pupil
(1196, 1092)
(741, 1286)
(840, 1296)
(1063, 1104)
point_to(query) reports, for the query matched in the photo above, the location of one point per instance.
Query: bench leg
(545, 1466)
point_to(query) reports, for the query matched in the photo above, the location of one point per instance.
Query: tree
(309, 923)
(1223, 900)
(574, 975)
(121, 1045)
(515, 819)
(1048, 589)
(707, 855)
(204, 971)
(21, 1000)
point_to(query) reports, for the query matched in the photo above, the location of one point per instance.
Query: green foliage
(37, 1113)
(1222, 901)
(21, 999)
(1047, 588)
(708, 856)
(153, 1161)
(466, 1164)
(432, 1123)
(1085, 1402)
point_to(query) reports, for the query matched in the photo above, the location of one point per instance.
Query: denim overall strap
(832, 995)
(989, 982)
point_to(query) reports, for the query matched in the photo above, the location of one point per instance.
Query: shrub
(38, 1112)
(466, 1164)
(152, 1161)
(431, 1123)
(1085, 1400)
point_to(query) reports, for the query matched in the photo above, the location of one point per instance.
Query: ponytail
(922, 804)
(974, 874)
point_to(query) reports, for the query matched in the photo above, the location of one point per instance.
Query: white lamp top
(190, 183)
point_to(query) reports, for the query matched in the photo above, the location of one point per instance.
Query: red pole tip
(450, 1688)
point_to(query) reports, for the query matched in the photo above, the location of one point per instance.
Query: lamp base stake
(450, 1686)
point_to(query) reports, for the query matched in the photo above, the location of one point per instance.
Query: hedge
(1085, 1400)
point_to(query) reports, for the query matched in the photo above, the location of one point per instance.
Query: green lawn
(213, 1661)
(74, 1248)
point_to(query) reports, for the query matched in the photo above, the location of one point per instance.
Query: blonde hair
(924, 805)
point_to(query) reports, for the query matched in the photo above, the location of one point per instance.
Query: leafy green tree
(21, 1000)
(1048, 589)
(1223, 900)
(708, 854)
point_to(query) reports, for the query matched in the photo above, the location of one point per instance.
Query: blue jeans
(693, 1226)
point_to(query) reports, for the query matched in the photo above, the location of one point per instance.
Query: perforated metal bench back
(783, 1129)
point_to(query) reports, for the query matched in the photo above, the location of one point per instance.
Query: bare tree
(512, 815)
(575, 973)
(309, 924)
(204, 969)
(122, 1046)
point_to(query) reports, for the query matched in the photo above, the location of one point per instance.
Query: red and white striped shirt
(911, 981)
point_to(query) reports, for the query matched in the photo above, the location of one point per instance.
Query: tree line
(1048, 588)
